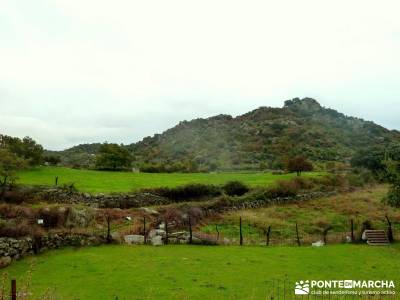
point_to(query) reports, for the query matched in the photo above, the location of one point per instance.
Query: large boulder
(80, 217)
(157, 240)
(134, 239)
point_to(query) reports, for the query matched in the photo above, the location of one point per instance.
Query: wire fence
(297, 235)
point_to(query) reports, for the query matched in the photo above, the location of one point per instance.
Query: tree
(373, 158)
(393, 176)
(9, 165)
(299, 164)
(235, 188)
(26, 148)
(52, 159)
(113, 157)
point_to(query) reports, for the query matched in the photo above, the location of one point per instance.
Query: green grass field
(198, 272)
(109, 182)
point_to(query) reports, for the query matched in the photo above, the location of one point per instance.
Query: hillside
(259, 139)
(264, 136)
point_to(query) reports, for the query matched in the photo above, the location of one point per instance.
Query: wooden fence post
(56, 180)
(240, 231)
(108, 219)
(268, 235)
(190, 231)
(13, 289)
(297, 235)
(144, 230)
(352, 230)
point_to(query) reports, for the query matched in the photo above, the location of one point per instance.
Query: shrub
(235, 188)
(283, 188)
(53, 217)
(8, 211)
(20, 230)
(187, 192)
(360, 177)
(303, 183)
(331, 180)
(393, 196)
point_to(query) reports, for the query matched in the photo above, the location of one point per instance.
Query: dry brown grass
(315, 215)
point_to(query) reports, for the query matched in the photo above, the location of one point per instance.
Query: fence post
(297, 235)
(268, 234)
(166, 232)
(56, 180)
(144, 230)
(240, 231)
(390, 231)
(190, 231)
(13, 289)
(352, 230)
(216, 228)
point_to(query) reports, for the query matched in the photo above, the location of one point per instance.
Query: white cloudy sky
(75, 71)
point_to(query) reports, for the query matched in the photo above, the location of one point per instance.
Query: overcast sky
(91, 71)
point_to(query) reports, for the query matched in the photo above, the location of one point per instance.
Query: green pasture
(197, 272)
(110, 182)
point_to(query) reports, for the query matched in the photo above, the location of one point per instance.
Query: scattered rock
(318, 244)
(149, 211)
(5, 261)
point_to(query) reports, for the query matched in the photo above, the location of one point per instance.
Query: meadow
(112, 182)
(197, 272)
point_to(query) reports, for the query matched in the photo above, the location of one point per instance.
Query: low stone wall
(16, 248)
(121, 200)
(221, 206)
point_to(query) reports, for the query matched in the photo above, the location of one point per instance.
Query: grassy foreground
(108, 182)
(198, 272)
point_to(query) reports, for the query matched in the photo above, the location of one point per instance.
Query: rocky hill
(263, 138)
(259, 139)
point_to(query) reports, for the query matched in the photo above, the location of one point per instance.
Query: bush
(360, 177)
(235, 188)
(303, 183)
(53, 217)
(283, 188)
(20, 230)
(187, 192)
(393, 197)
(8, 211)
